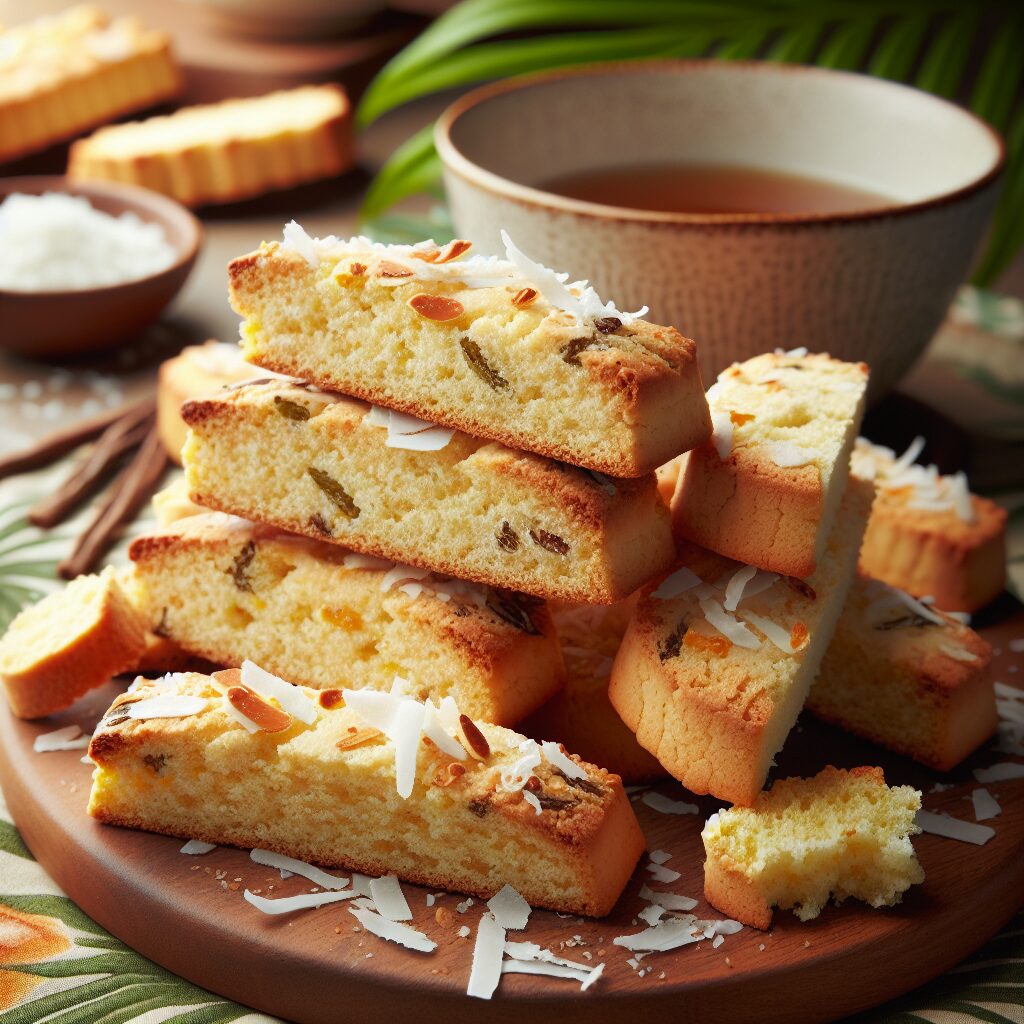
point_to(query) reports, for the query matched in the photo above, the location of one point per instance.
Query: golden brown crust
(729, 890)
(98, 640)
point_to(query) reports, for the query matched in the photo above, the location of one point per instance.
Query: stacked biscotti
(456, 440)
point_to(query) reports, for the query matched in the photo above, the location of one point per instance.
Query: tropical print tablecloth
(59, 966)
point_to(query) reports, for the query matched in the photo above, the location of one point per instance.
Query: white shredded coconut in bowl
(59, 242)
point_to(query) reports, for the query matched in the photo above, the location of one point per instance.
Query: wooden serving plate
(188, 914)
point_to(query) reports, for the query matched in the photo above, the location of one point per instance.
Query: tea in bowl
(751, 205)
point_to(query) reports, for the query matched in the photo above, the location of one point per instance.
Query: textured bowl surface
(868, 285)
(61, 323)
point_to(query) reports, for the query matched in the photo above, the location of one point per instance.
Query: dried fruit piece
(388, 269)
(473, 739)
(571, 352)
(608, 324)
(585, 784)
(453, 250)
(162, 628)
(257, 710)
(507, 538)
(549, 542)
(357, 269)
(913, 621)
(479, 365)
(717, 645)
(556, 803)
(318, 523)
(802, 587)
(438, 308)
(513, 613)
(739, 418)
(673, 643)
(798, 635)
(524, 297)
(358, 736)
(238, 571)
(480, 806)
(338, 495)
(155, 762)
(448, 774)
(291, 410)
(344, 617)
(330, 698)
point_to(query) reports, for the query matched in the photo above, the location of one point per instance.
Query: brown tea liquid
(713, 188)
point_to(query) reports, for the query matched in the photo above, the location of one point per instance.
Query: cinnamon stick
(55, 445)
(120, 437)
(129, 491)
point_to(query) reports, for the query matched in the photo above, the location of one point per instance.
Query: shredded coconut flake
(780, 637)
(388, 898)
(298, 867)
(68, 738)
(291, 698)
(553, 753)
(393, 931)
(660, 873)
(167, 705)
(985, 805)
(532, 800)
(678, 583)
(1002, 772)
(665, 805)
(954, 828)
(722, 431)
(957, 653)
(510, 910)
(667, 900)
(789, 455)
(195, 847)
(728, 625)
(488, 950)
(736, 585)
(288, 904)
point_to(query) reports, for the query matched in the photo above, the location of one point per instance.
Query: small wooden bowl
(61, 323)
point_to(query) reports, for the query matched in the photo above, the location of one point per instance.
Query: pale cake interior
(844, 834)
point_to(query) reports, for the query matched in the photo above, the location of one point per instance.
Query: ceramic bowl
(62, 323)
(868, 285)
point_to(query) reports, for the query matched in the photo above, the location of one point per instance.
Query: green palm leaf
(936, 45)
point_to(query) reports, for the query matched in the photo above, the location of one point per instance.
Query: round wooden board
(188, 914)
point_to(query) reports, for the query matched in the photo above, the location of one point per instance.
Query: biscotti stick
(906, 676)
(929, 535)
(765, 489)
(226, 590)
(502, 349)
(719, 657)
(371, 782)
(843, 834)
(333, 469)
(227, 151)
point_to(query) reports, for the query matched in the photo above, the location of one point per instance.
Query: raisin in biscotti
(580, 714)
(71, 642)
(843, 834)
(906, 676)
(929, 535)
(320, 465)
(381, 785)
(501, 349)
(228, 590)
(719, 657)
(765, 489)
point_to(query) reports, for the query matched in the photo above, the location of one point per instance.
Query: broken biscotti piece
(224, 152)
(502, 349)
(906, 676)
(842, 834)
(226, 590)
(765, 489)
(928, 534)
(66, 73)
(334, 469)
(719, 657)
(580, 715)
(69, 643)
(368, 781)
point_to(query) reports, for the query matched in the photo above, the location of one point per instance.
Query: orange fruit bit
(798, 636)
(717, 645)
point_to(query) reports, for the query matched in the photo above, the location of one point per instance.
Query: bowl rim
(456, 162)
(136, 199)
